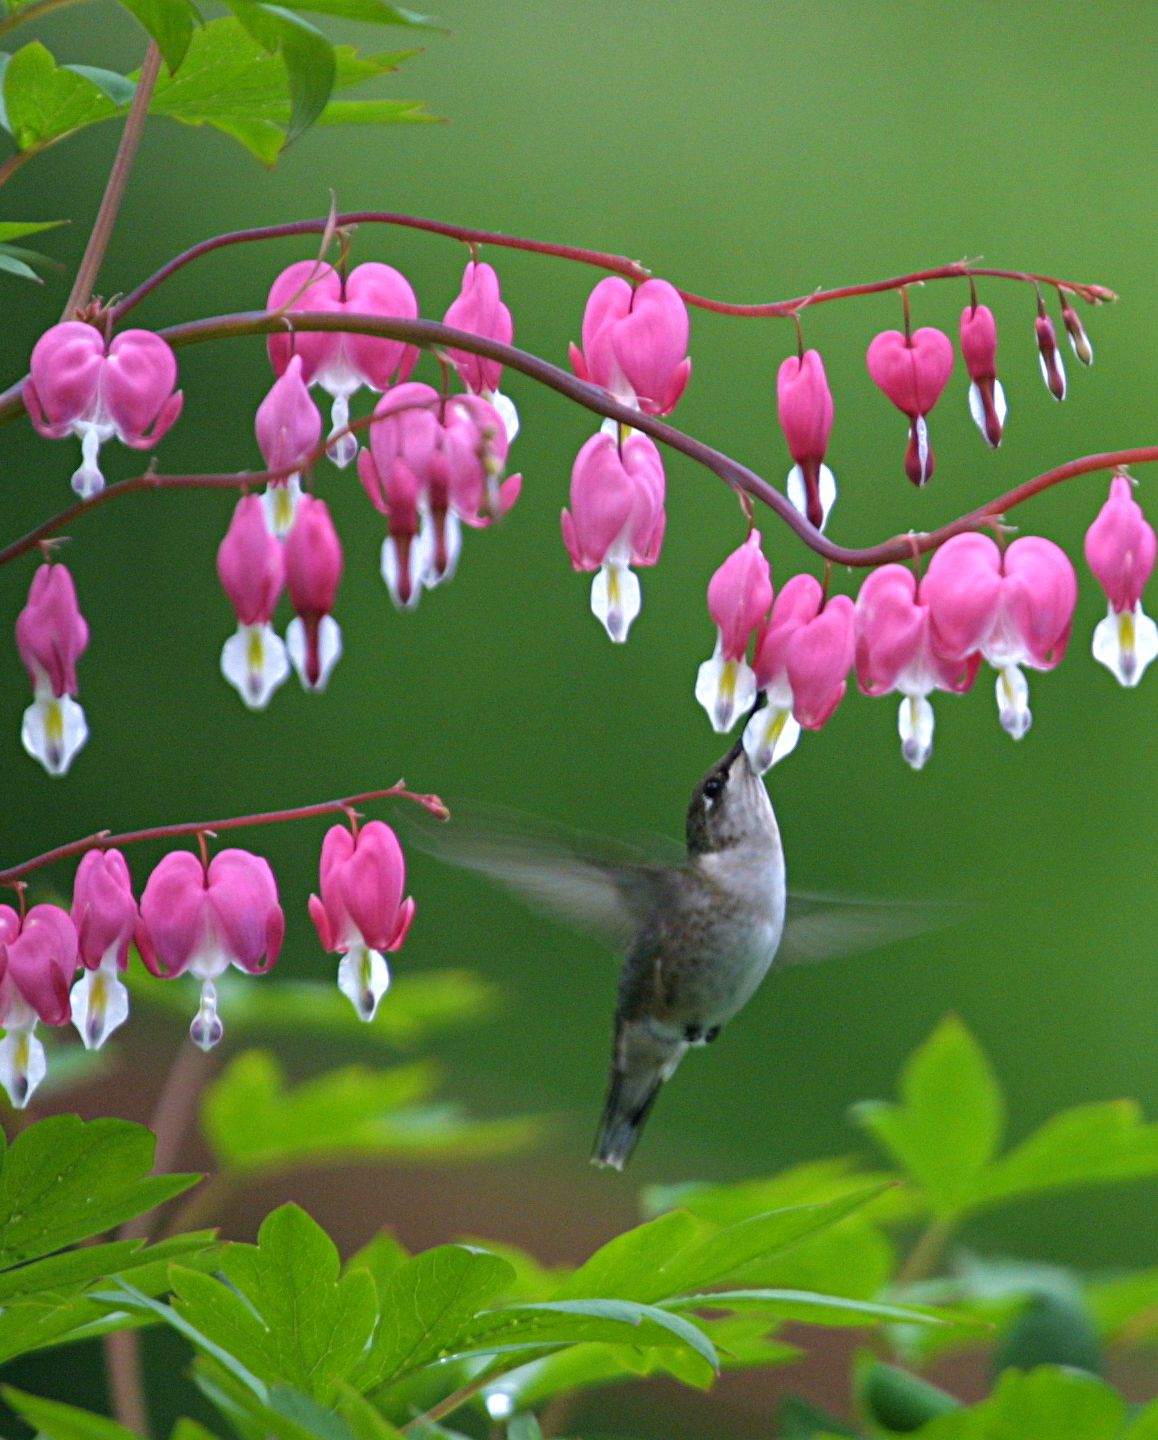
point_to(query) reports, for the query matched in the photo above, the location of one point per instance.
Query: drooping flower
(616, 520)
(896, 650)
(804, 405)
(37, 958)
(1053, 370)
(986, 394)
(80, 385)
(739, 597)
(339, 363)
(479, 308)
(1120, 550)
(202, 919)
(635, 341)
(1015, 607)
(252, 573)
(51, 635)
(288, 429)
(1079, 340)
(802, 659)
(912, 370)
(106, 918)
(361, 914)
(313, 569)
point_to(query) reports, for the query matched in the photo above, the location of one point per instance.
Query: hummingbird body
(712, 933)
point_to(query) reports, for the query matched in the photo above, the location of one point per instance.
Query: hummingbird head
(729, 806)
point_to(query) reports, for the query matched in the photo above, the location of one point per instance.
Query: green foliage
(43, 101)
(255, 1121)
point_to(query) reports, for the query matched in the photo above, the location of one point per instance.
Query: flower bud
(1120, 550)
(313, 568)
(288, 430)
(1079, 340)
(1053, 370)
(739, 596)
(804, 406)
(979, 349)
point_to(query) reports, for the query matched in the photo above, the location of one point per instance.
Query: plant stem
(104, 840)
(122, 1350)
(614, 264)
(923, 1257)
(98, 240)
(34, 11)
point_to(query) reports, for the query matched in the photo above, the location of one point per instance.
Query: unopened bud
(1079, 340)
(1053, 371)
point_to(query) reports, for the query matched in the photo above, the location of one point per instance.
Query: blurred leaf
(18, 229)
(285, 1314)
(65, 1179)
(186, 1429)
(232, 81)
(800, 1420)
(424, 1306)
(813, 1182)
(1052, 1329)
(949, 1121)
(1125, 1308)
(381, 1256)
(571, 1322)
(418, 1006)
(12, 265)
(43, 101)
(524, 1427)
(1143, 1425)
(169, 22)
(71, 1064)
(897, 1401)
(253, 1121)
(366, 1422)
(1087, 1145)
(53, 1419)
(376, 112)
(279, 1413)
(371, 12)
(812, 1309)
(1043, 1404)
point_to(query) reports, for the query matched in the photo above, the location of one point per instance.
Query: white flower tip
(279, 505)
(915, 723)
(506, 412)
(22, 1066)
(616, 599)
(207, 1029)
(53, 731)
(363, 978)
(329, 651)
(725, 688)
(798, 494)
(100, 1004)
(769, 736)
(254, 662)
(1013, 702)
(1126, 643)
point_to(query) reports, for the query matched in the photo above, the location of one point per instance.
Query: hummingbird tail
(630, 1097)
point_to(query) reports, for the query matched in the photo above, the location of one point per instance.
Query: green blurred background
(749, 151)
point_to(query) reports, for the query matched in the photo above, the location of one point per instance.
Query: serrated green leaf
(424, 1306)
(44, 101)
(253, 1121)
(65, 1179)
(54, 1419)
(532, 1281)
(77, 1269)
(169, 22)
(948, 1124)
(377, 112)
(1043, 1404)
(381, 1256)
(627, 1266)
(306, 53)
(573, 1322)
(285, 1315)
(18, 229)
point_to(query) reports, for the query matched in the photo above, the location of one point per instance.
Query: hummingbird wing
(584, 881)
(820, 926)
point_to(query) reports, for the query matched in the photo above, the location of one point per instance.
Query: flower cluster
(1011, 607)
(196, 916)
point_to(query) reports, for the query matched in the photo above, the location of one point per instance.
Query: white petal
(254, 662)
(1061, 370)
(279, 504)
(999, 404)
(329, 649)
(915, 726)
(363, 978)
(22, 1065)
(506, 411)
(452, 545)
(345, 450)
(1013, 701)
(771, 734)
(725, 688)
(1126, 643)
(391, 570)
(826, 487)
(921, 430)
(87, 479)
(616, 598)
(53, 731)
(100, 1003)
(207, 1029)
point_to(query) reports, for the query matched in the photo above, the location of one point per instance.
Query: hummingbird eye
(713, 787)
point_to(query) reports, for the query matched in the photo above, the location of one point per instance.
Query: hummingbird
(698, 932)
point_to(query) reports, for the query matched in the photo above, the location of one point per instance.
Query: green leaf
(571, 1322)
(18, 229)
(377, 112)
(169, 22)
(810, 1308)
(186, 1429)
(14, 266)
(811, 1183)
(1042, 1404)
(424, 1306)
(524, 1427)
(365, 1420)
(1088, 1145)
(381, 1256)
(306, 53)
(65, 1179)
(44, 101)
(286, 1314)
(371, 12)
(1144, 1425)
(948, 1124)
(281, 1413)
(253, 1121)
(77, 1269)
(627, 1266)
(64, 1422)
(801, 1420)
